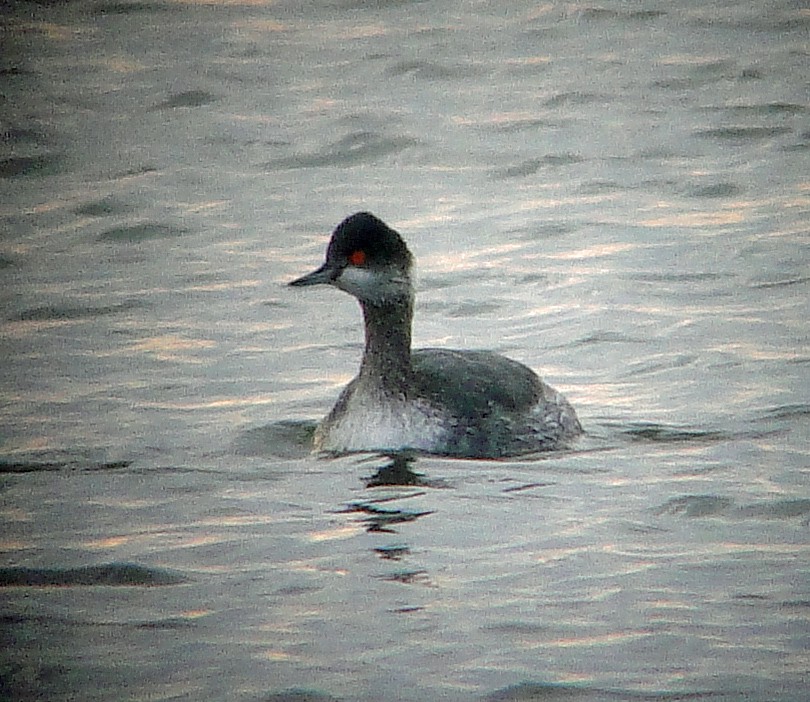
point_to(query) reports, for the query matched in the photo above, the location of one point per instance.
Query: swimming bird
(472, 404)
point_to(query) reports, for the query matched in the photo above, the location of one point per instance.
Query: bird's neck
(387, 356)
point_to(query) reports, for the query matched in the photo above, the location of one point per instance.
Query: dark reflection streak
(407, 577)
(399, 472)
(383, 519)
(34, 467)
(109, 574)
(392, 553)
(361, 505)
(652, 432)
(528, 486)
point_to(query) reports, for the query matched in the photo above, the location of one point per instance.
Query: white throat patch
(374, 286)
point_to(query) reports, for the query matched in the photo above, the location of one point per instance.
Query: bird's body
(473, 404)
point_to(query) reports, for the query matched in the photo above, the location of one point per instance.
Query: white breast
(374, 424)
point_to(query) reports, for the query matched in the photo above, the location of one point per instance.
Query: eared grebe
(473, 404)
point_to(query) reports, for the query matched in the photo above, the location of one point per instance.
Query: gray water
(614, 193)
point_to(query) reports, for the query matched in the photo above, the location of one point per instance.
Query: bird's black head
(367, 259)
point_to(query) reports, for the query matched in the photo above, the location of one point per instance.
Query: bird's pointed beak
(323, 276)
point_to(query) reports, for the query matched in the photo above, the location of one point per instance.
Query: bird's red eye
(357, 258)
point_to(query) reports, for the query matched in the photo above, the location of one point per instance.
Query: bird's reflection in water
(383, 520)
(396, 472)
(399, 472)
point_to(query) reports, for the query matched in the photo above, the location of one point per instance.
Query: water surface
(615, 195)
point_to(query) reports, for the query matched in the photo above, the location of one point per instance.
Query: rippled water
(614, 194)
